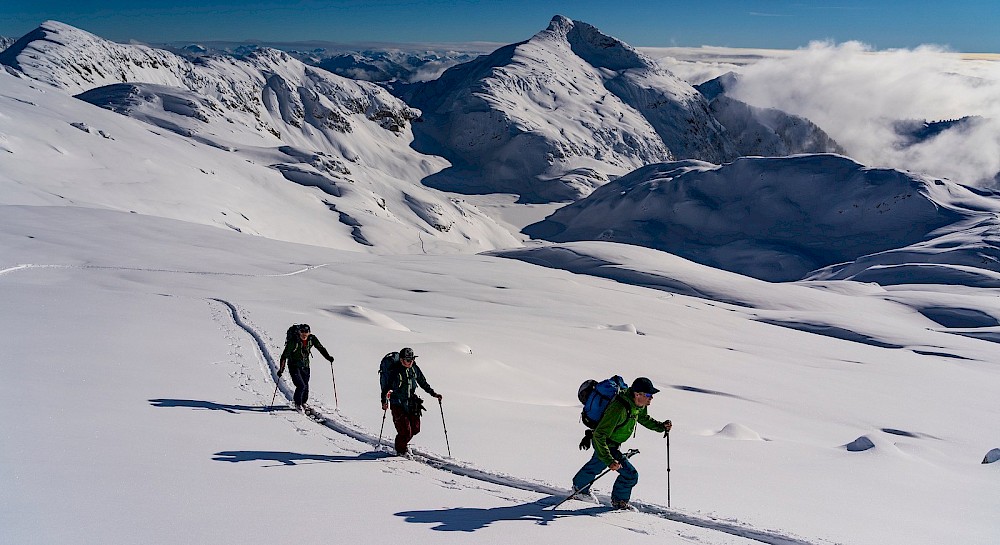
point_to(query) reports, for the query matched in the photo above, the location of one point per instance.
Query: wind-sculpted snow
(175, 147)
(571, 97)
(781, 218)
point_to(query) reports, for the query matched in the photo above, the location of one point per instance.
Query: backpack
(383, 368)
(292, 335)
(596, 396)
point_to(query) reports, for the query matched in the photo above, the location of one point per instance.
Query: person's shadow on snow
(213, 406)
(292, 458)
(470, 519)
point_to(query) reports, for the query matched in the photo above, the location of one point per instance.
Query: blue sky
(962, 25)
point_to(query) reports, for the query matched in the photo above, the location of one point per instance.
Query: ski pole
(668, 469)
(275, 394)
(628, 455)
(335, 400)
(445, 427)
(383, 421)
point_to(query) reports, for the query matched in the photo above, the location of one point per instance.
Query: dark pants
(407, 425)
(628, 477)
(300, 378)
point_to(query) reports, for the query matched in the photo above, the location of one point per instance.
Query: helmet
(406, 354)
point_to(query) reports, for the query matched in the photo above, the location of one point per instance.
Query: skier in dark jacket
(399, 393)
(296, 354)
(616, 426)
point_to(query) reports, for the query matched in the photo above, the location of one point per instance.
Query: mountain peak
(595, 47)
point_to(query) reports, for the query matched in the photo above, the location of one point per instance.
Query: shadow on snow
(291, 458)
(470, 519)
(211, 405)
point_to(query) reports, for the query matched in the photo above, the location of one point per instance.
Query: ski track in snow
(343, 426)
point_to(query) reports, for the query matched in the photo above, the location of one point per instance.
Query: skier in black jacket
(399, 392)
(296, 353)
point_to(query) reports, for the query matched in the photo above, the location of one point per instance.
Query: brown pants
(407, 425)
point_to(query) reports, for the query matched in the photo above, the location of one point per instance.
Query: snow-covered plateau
(823, 332)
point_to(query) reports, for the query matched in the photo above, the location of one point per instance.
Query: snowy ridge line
(143, 269)
(459, 468)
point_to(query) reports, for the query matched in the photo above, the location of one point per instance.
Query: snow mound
(780, 219)
(368, 316)
(738, 432)
(992, 456)
(628, 328)
(860, 444)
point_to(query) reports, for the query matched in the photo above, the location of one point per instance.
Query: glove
(666, 427)
(330, 360)
(280, 371)
(439, 396)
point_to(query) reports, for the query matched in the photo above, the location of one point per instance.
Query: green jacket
(297, 353)
(618, 423)
(403, 382)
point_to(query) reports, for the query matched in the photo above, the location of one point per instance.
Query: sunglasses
(645, 395)
(406, 359)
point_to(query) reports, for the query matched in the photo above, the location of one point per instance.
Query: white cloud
(856, 94)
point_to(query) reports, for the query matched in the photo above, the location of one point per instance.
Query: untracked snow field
(138, 364)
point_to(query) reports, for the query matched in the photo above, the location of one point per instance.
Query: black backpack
(292, 335)
(383, 368)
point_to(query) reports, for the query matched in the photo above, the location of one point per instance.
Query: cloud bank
(859, 95)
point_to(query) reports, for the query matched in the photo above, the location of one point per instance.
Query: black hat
(406, 354)
(644, 385)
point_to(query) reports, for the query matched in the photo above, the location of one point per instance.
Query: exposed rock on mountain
(782, 218)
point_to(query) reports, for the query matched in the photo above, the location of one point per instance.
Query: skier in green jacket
(614, 428)
(297, 353)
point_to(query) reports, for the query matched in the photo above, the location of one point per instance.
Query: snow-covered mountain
(6, 42)
(914, 132)
(243, 121)
(781, 218)
(552, 117)
(764, 131)
(392, 65)
(413, 62)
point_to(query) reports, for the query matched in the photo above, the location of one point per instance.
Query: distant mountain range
(391, 63)
(569, 115)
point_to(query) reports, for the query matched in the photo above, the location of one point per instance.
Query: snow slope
(782, 218)
(192, 164)
(144, 417)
